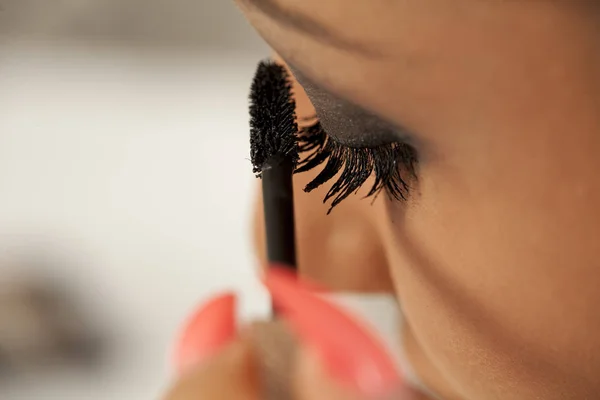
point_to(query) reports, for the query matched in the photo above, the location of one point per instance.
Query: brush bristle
(273, 127)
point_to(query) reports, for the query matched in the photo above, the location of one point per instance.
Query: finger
(230, 375)
(211, 359)
(350, 355)
(312, 382)
(207, 331)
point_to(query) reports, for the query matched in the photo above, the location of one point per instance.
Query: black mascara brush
(274, 155)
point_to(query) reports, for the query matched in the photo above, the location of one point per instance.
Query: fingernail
(207, 331)
(350, 353)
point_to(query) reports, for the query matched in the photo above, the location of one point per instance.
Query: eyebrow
(305, 24)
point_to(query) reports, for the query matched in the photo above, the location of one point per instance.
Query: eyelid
(373, 148)
(347, 122)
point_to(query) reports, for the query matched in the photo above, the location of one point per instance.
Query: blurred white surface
(186, 24)
(133, 169)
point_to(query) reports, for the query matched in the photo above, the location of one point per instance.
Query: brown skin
(232, 375)
(494, 257)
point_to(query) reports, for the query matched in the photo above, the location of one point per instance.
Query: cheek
(498, 283)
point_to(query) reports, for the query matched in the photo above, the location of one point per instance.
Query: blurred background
(125, 187)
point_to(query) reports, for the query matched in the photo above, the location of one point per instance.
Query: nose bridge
(343, 249)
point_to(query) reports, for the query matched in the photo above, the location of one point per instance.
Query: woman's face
(494, 254)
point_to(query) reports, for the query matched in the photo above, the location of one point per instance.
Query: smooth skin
(494, 258)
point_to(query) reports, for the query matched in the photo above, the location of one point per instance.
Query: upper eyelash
(391, 163)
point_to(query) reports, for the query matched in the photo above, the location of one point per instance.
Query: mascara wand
(274, 155)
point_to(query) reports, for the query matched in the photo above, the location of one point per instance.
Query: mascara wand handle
(278, 203)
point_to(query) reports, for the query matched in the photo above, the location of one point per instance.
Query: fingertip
(351, 354)
(312, 381)
(210, 328)
(229, 374)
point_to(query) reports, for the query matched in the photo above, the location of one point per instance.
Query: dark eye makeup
(393, 165)
(355, 144)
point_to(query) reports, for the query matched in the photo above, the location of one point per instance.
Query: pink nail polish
(350, 353)
(208, 330)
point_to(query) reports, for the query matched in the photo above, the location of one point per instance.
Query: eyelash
(390, 163)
